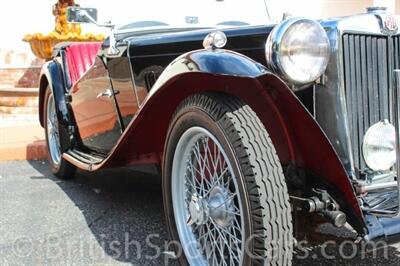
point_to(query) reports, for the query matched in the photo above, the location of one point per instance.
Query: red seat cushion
(80, 57)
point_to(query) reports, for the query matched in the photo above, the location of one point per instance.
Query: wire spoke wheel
(53, 132)
(206, 201)
(56, 142)
(225, 196)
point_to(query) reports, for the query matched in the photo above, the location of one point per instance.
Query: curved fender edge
(295, 133)
(51, 76)
(315, 152)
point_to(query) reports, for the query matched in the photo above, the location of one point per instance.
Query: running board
(82, 160)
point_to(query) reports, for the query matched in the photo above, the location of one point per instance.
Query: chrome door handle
(107, 93)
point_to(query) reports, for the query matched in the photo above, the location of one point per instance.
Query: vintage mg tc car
(262, 132)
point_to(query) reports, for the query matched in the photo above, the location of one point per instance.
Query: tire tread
(268, 195)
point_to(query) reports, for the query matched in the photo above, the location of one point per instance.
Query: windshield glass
(139, 14)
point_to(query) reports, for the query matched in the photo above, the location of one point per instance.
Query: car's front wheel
(225, 196)
(59, 166)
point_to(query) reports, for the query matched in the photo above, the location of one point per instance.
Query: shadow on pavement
(123, 209)
(125, 206)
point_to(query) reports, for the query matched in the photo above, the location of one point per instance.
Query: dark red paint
(294, 132)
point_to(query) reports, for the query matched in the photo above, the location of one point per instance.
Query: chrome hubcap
(52, 132)
(218, 207)
(206, 201)
(221, 207)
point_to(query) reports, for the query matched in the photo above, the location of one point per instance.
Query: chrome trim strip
(368, 23)
(133, 76)
(377, 187)
(342, 95)
(396, 122)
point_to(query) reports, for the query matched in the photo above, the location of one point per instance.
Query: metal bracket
(323, 204)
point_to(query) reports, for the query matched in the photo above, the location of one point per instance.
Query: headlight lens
(379, 146)
(299, 50)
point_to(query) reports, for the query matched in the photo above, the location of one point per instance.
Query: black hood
(246, 40)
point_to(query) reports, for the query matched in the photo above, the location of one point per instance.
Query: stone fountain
(42, 45)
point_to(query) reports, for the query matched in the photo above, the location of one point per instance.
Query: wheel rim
(206, 201)
(52, 132)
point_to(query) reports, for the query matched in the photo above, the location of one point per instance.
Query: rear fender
(52, 77)
(296, 135)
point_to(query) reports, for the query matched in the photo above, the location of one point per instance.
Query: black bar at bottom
(382, 229)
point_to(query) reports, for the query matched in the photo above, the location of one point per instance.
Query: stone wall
(19, 69)
(19, 77)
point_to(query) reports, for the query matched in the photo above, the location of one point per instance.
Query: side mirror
(89, 15)
(81, 15)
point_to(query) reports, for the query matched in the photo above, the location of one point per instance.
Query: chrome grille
(396, 51)
(368, 61)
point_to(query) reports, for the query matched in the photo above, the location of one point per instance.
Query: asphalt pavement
(114, 217)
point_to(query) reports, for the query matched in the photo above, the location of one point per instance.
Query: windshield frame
(208, 14)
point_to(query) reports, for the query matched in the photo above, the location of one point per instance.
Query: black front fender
(212, 61)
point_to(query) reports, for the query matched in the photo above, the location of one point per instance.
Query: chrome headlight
(379, 146)
(299, 50)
